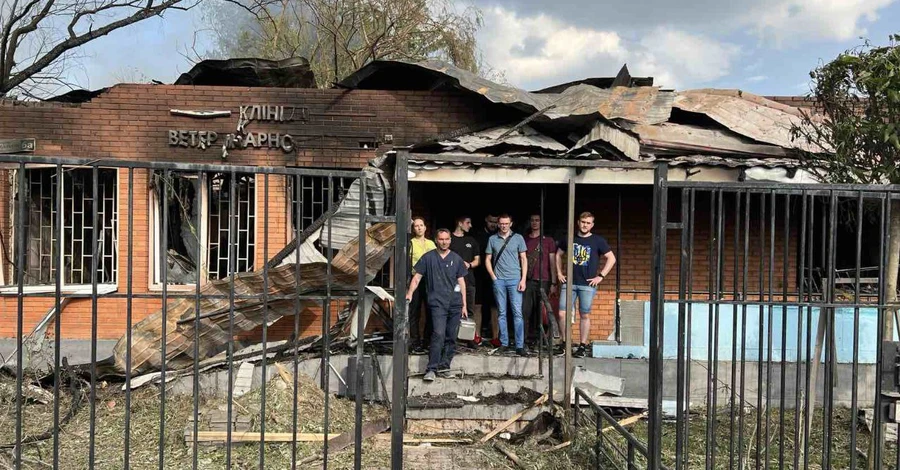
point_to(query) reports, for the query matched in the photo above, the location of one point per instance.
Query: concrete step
(474, 412)
(477, 385)
(482, 364)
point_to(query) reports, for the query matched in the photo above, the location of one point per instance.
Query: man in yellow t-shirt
(419, 245)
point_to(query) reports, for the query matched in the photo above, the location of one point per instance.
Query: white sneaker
(430, 376)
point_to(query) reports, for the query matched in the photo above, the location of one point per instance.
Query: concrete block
(593, 382)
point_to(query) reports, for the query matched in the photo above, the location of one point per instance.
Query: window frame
(64, 287)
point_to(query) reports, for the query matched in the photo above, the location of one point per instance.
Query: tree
(857, 119)
(36, 36)
(340, 36)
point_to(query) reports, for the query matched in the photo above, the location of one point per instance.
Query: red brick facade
(132, 122)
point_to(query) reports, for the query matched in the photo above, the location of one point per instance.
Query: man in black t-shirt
(469, 249)
(444, 272)
(587, 274)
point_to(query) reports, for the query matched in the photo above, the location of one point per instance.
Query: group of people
(508, 272)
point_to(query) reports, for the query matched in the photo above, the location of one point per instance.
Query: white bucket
(466, 330)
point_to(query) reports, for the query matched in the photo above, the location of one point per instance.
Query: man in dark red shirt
(541, 254)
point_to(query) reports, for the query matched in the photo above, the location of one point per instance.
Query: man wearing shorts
(587, 274)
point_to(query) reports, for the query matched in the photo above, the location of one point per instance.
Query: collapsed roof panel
(746, 114)
(525, 137)
(285, 280)
(678, 139)
(643, 104)
(294, 72)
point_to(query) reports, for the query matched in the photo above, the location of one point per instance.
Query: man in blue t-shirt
(507, 265)
(445, 282)
(587, 274)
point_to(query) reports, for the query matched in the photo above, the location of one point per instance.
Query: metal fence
(772, 366)
(614, 445)
(216, 307)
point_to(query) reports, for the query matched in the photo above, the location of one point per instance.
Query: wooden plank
(410, 439)
(627, 421)
(509, 454)
(559, 446)
(347, 439)
(248, 436)
(285, 375)
(620, 402)
(862, 280)
(512, 420)
(369, 429)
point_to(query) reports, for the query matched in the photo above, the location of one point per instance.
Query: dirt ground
(74, 437)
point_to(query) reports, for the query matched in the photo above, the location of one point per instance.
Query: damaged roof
(621, 118)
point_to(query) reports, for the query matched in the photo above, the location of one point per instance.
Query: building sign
(203, 139)
(17, 145)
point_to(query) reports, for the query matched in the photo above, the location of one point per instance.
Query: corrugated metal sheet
(707, 160)
(621, 140)
(345, 222)
(525, 136)
(669, 138)
(746, 114)
(283, 280)
(646, 105)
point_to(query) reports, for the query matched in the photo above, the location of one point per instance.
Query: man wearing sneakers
(445, 283)
(468, 248)
(587, 274)
(507, 265)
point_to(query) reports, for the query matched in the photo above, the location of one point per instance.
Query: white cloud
(541, 47)
(794, 20)
(540, 50)
(757, 78)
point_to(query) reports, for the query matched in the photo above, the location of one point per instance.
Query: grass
(109, 446)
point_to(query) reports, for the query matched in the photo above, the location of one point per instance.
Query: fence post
(657, 308)
(598, 445)
(401, 318)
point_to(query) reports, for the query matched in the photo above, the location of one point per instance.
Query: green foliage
(340, 36)
(857, 115)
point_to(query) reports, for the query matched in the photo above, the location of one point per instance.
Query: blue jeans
(584, 295)
(503, 289)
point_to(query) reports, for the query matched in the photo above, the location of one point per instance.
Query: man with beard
(587, 274)
(507, 265)
(445, 282)
(541, 256)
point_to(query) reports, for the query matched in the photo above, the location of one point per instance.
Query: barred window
(43, 252)
(244, 224)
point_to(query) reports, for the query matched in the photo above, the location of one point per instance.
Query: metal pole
(619, 264)
(360, 324)
(570, 241)
(401, 319)
(657, 308)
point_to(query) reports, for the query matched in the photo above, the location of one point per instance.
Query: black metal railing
(618, 449)
(768, 369)
(123, 426)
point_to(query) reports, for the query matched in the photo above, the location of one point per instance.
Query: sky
(766, 47)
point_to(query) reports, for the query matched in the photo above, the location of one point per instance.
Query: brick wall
(131, 122)
(635, 246)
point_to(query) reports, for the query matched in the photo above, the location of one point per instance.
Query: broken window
(244, 224)
(315, 197)
(43, 252)
(180, 195)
